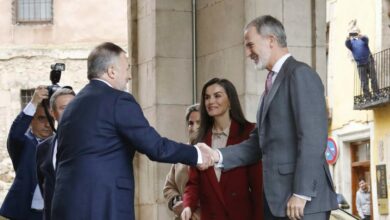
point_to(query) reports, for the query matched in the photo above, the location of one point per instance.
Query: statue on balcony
(358, 45)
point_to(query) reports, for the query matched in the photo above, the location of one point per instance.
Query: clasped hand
(209, 156)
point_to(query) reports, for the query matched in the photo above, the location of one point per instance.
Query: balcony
(369, 96)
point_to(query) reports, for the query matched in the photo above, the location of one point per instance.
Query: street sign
(332, 152)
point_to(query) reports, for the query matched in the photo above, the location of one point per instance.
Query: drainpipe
(194, 77)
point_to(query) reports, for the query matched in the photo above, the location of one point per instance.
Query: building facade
(359, 124)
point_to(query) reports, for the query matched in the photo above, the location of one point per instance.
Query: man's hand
(295, 207)
(186, 214)
(208, 155)
(40, 94)
(178, 208)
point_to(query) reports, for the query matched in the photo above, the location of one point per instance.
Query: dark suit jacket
(46, 173)
(100, 131)
(21, 145)
(238, 195)
(290, 138)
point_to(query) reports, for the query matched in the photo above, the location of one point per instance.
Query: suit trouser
(315, 216)
(367, 71)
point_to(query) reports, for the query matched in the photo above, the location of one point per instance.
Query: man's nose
(248, 52)
(46, 123)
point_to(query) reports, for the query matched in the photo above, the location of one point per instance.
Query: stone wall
(28, 50)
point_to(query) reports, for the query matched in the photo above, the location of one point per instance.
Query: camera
(55, 76)
(354, 34)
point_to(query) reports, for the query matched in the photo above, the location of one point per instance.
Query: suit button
(234, 194)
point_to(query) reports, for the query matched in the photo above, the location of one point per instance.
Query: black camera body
(353, 34)
(55, 77)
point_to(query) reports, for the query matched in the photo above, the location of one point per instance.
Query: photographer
(47, 150)
(31, 126)
(358, 45)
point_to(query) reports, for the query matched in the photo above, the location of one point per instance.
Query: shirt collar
(104, 81)
(225, 132)
(278, 65)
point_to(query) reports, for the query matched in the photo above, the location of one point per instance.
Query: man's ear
(111, 72)
(52, 114)
(273, 41)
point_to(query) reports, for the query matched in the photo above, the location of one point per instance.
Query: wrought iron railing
(373, 89)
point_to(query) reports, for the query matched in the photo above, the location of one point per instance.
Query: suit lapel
(275, 86)
(258, 115)
(210, 173)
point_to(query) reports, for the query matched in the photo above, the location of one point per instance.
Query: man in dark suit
(47, 150)
(291, 132)
(24, 200)
(99, 133)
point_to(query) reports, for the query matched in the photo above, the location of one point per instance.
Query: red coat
(238, 195)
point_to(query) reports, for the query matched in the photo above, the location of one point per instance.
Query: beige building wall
(28, 50)
(162, 82)
(381, 151)
(220, 48)
(341, 67)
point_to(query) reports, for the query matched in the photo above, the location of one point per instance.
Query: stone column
(162, 82)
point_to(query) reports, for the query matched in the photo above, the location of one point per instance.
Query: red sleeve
(256, 185)
(192, 189)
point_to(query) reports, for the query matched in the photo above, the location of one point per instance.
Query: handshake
(209, 156)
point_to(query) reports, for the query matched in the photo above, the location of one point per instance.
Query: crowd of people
(230, 169)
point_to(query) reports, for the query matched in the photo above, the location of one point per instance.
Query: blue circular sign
(332, 152)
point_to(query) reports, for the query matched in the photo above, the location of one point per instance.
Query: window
(25, 96)
(34, 11)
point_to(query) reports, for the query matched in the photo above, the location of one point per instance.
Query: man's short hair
(267, 26)
(362, 179)
(101, 58)
(58, 93)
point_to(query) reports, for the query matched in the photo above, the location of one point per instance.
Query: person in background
(363, 200)
(178, 175)
(47, 150)
(24, 200)
(235, 194)
(358, 45)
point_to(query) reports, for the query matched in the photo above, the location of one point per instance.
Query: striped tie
(268, 82)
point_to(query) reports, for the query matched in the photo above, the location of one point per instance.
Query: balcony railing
(373, 89)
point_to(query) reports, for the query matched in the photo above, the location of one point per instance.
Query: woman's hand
(186, 214)
(178, 208)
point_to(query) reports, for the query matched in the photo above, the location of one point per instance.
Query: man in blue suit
(24, 200)
(47, 150)
(99, 133)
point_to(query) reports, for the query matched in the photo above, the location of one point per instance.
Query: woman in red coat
(235, 194)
